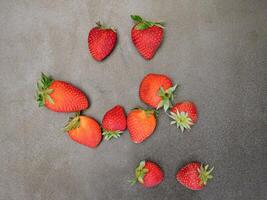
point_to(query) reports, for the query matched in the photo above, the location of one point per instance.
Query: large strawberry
(84, 130)
(184, 114)
(114, 122)
(148, 173)
(146, 36)
(101, 41)
(194, 175)
(157, 90)
(141, 124)
(60, 96)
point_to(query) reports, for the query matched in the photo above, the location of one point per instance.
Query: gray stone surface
(215, 49)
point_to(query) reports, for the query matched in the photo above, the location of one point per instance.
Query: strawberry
(146, 36)
(157, 90)
(141, 124)
(84, 130)
(101, 41)
(184, 115)
(194, 175)
(114, 122)
(148, 173)
(60, 96)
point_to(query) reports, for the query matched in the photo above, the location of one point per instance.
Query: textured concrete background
(215, 49)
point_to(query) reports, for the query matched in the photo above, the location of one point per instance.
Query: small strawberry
(157, 90)
(194, 175)
(148, 173)
(146, 36)
(184, 115)
(84, 130)
(60, 96)
(101, 41)
(141, 124)
(114, 122)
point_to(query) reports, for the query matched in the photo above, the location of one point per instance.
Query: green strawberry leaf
(136, 18)
(43, 92)
(142, 26)
(73, 123)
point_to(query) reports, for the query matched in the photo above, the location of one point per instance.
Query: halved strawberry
(60, 96)
(84, 130)
(184, 115)
(149, 174)
(114, 122)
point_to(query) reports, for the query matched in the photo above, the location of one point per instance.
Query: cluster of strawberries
(156, 90)
(146, 36)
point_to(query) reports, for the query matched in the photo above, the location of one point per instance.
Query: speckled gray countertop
(215, 49)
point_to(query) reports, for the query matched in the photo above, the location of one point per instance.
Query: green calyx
(140, 172)
(144, 24)
(111, 134)
(105, 27)
(205, 174)
(167, 97)
(181, 119)
(43, 92)
(73, 123)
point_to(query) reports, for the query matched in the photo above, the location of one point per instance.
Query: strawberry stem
(167, 97)
(105, 27)
(111, 134)
(205, 174)
(43, 92)
(142, 24)
(140, 172)
(73, 123)
(181, 119)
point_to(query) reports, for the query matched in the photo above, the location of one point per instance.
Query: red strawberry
(101, 41)
(141, 124)
(146, 36)
(156, 90)
(114, 122)
(194, 176)
(148, 173)
(184, 114)
(84, 130)
(60, 96)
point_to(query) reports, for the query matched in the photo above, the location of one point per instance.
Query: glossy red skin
(140, 126)
(115, 119)
(66, 97)
(154, 176)
(88, 133)
(188, 176)
(188, 107)
(101, 42)
(147, 41)
(149, 88)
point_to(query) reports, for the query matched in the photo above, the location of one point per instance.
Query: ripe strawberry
(101, 41)
(141, 124)
(148, 173)
(60, 96)
(84, 130)
(114, 122)
(184, 114)
(157, 90)
(146, 36)
(194, 176)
